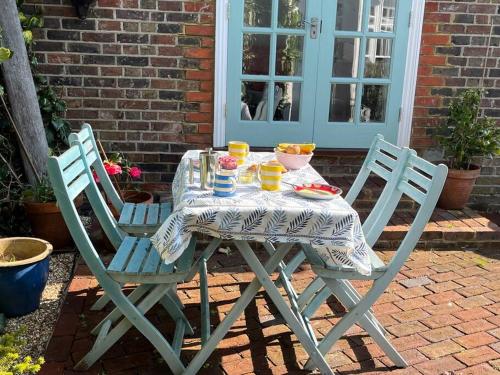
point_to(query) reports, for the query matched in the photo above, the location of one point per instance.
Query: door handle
(313, 32)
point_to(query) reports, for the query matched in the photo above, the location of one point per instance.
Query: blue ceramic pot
(24, 270)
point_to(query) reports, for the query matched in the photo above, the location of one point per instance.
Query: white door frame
(412, 58)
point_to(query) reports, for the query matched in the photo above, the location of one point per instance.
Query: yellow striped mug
(269, 175)
(239, 150)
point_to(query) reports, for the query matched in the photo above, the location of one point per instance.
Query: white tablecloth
(332, 227)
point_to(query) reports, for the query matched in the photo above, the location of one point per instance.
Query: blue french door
(323, 71)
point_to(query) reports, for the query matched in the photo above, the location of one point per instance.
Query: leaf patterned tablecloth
(332, 227)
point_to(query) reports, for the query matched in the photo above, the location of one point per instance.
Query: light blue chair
(422, 182)
(136, 261)
(138, 219)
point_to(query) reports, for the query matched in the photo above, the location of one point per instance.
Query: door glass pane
(378, 58)
(291, 13)
(254, 100)
(287, 101)
(256, 53)
(382, 14)
(349, 15)
(346, 57)
(342, 102)
(373, 103)
(289, 55)
(258, 13)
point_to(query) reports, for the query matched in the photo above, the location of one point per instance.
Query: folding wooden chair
(138, 219)
(384, 160)
(136, 261)
(422, 182)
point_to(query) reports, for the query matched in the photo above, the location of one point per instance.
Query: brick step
(465, 229)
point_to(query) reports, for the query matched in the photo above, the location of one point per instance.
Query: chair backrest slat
(412, 192)
(385, 159)
(86, 137)
(77, 186)
(381, 159)
(73, 171)
(417, 178)
(379, 170)
(69, 157)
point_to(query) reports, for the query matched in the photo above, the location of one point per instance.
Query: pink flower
(96, 177)
(135, 172)
(228, 162)
(112, 168)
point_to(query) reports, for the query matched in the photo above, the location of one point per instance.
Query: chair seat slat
(152, 262)
(186, 259)
(120, 259)
(140, 252)
(152, 216)
(139, 214)
(166, 267)
(165, 210)
(412, 192)
(126, 214)
(418, 178)
(379, 170)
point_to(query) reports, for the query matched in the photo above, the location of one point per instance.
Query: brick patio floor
(442, 312)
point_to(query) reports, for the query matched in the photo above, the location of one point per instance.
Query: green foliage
(11, 362)
(466, 135)
(41, 192)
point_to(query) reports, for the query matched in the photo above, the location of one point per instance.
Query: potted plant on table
(464, 136)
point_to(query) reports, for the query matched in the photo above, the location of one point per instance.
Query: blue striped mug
(225, 183)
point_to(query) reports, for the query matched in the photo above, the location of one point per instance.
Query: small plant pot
(458, 187)
(24, 270)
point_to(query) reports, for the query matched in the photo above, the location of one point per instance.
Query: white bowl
(293, 161)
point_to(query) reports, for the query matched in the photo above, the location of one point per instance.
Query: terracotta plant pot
(457, 188)
(48, 223)
(132, 196)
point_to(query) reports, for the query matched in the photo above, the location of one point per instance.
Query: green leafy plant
(41, 192)
(465, 134)
(11, 361)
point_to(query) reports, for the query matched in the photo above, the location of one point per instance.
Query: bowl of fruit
(294, 156)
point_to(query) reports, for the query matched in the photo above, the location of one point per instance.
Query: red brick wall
(453, 56)
(141, 72)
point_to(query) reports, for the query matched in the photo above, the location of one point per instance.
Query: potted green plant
(464, 136)
(44, 215)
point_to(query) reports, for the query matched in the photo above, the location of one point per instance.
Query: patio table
(332, 228)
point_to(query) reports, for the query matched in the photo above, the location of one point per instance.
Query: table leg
(292, 294)
(246, 297)
(262, 275)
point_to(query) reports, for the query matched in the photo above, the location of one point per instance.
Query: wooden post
(22, 94)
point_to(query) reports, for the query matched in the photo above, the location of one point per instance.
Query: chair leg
(309, 292)
(353, 316)
(175, 311)
(100, 303)
(285, 311)
(116, 314)
(368, 322)
(246, 297)
(135, 314)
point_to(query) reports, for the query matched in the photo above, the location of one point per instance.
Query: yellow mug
(269, 175)
(239, 150)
